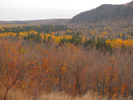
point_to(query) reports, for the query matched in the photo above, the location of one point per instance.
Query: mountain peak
(130, 3)
(106, 12)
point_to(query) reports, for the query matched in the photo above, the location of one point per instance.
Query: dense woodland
(48, 56)
(37, 59)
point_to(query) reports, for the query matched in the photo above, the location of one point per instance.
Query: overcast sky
(48, 9)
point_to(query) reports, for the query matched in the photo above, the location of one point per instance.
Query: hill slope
(130, 3)
(106, 12)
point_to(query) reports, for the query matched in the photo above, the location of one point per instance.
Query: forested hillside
(103, 13)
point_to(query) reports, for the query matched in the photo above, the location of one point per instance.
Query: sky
(48, 9)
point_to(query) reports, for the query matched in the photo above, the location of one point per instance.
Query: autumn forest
(74, 59)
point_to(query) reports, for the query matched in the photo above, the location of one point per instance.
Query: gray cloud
(32, 14)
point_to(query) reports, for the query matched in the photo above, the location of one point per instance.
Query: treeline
(75, 38)
(39, 29)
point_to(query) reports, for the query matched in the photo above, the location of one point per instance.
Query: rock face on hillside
(106, 12)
